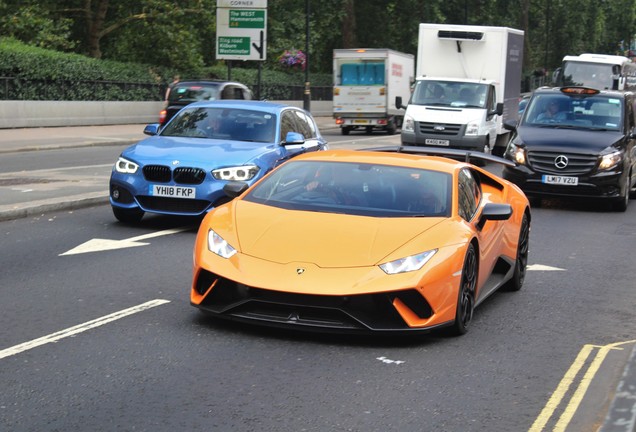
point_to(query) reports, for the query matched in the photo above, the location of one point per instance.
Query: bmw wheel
(466, 297)
(521, 262)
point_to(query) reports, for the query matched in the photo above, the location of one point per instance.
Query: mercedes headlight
(610, 160)
(240, 173)
(219, 246)
(408, 264)
(125, 166)
(517, 153)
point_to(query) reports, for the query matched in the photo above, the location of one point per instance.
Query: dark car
(575, 142)
(186, 92)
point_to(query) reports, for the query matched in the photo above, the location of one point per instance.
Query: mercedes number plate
(437, 142)
(173, 191)
(560, 180)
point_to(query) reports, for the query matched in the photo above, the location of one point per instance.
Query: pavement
(24, 194)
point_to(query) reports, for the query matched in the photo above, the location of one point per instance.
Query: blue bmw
(181, 168)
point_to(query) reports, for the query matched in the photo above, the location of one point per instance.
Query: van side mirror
(398, 103)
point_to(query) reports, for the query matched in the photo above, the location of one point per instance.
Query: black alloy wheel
(621, 203)
(466, 297)
(521, 262)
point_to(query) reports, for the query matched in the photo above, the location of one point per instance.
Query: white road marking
(389, 361)
(541, 267)
(72, 331)
(98, 245)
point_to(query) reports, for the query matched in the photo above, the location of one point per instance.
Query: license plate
(560, 180)
(360, 121)
(173, 191)
(437, 142)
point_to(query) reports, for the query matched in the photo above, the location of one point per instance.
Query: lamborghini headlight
(408, 264)
(125, 166)
(240, 173)
(610, 160)
(219, 246)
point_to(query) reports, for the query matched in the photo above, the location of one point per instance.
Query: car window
(354, 188)
(303, 125)
(232, 92)
(287, 124)
(469, 194)
(592, 112)
(223, 123)
(183, 93)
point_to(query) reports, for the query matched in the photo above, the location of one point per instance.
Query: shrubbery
(31, 73)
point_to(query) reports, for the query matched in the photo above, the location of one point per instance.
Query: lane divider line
(72, 331)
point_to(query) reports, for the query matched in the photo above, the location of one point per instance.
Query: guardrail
(25, 114)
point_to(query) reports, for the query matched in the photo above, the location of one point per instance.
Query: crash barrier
(24, 114)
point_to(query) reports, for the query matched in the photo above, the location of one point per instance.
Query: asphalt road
(99, 335)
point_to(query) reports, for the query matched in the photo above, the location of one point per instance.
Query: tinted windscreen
(559, 110)
(352, 188)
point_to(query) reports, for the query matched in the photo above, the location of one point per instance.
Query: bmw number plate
(560, 180)
(173, 191)
(437, 142)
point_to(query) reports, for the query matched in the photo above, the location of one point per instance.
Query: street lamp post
(307, 94)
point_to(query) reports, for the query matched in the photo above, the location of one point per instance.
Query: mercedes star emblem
(561, 162)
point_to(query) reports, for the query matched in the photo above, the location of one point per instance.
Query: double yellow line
(563, 387)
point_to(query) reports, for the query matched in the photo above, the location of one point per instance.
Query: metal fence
(78, 90)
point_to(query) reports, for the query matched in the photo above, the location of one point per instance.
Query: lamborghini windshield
(356, 188)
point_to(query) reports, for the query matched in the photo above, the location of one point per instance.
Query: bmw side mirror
(294, 138)
(152, 129)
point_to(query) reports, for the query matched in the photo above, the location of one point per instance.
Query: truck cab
(457, 113)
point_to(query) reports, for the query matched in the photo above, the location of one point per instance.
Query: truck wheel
(369, 130)
(391, 128)
(345, 130)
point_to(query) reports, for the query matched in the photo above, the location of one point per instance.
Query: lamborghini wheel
(521, 263)
(466, 298)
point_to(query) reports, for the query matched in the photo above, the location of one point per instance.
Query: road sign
(241, 30)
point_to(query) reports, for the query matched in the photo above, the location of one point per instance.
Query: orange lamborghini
(363, 241)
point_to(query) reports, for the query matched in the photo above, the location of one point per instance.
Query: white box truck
(468, 82)
(366, 84)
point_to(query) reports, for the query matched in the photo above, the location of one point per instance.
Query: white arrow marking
(541, 267)
(389, 361)
(98, 245)
(72, 331)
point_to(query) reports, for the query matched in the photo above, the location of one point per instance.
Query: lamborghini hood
(324, 239)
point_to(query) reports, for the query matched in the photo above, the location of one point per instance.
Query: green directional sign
(241, 30)
(254, 19)
(234, 45)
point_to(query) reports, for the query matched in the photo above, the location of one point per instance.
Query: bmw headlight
(610, 160)
(408, 264)
(219, 246)
(472, 129)
(125, 166)
(408, 125)
(516, 153)
(240, 173)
